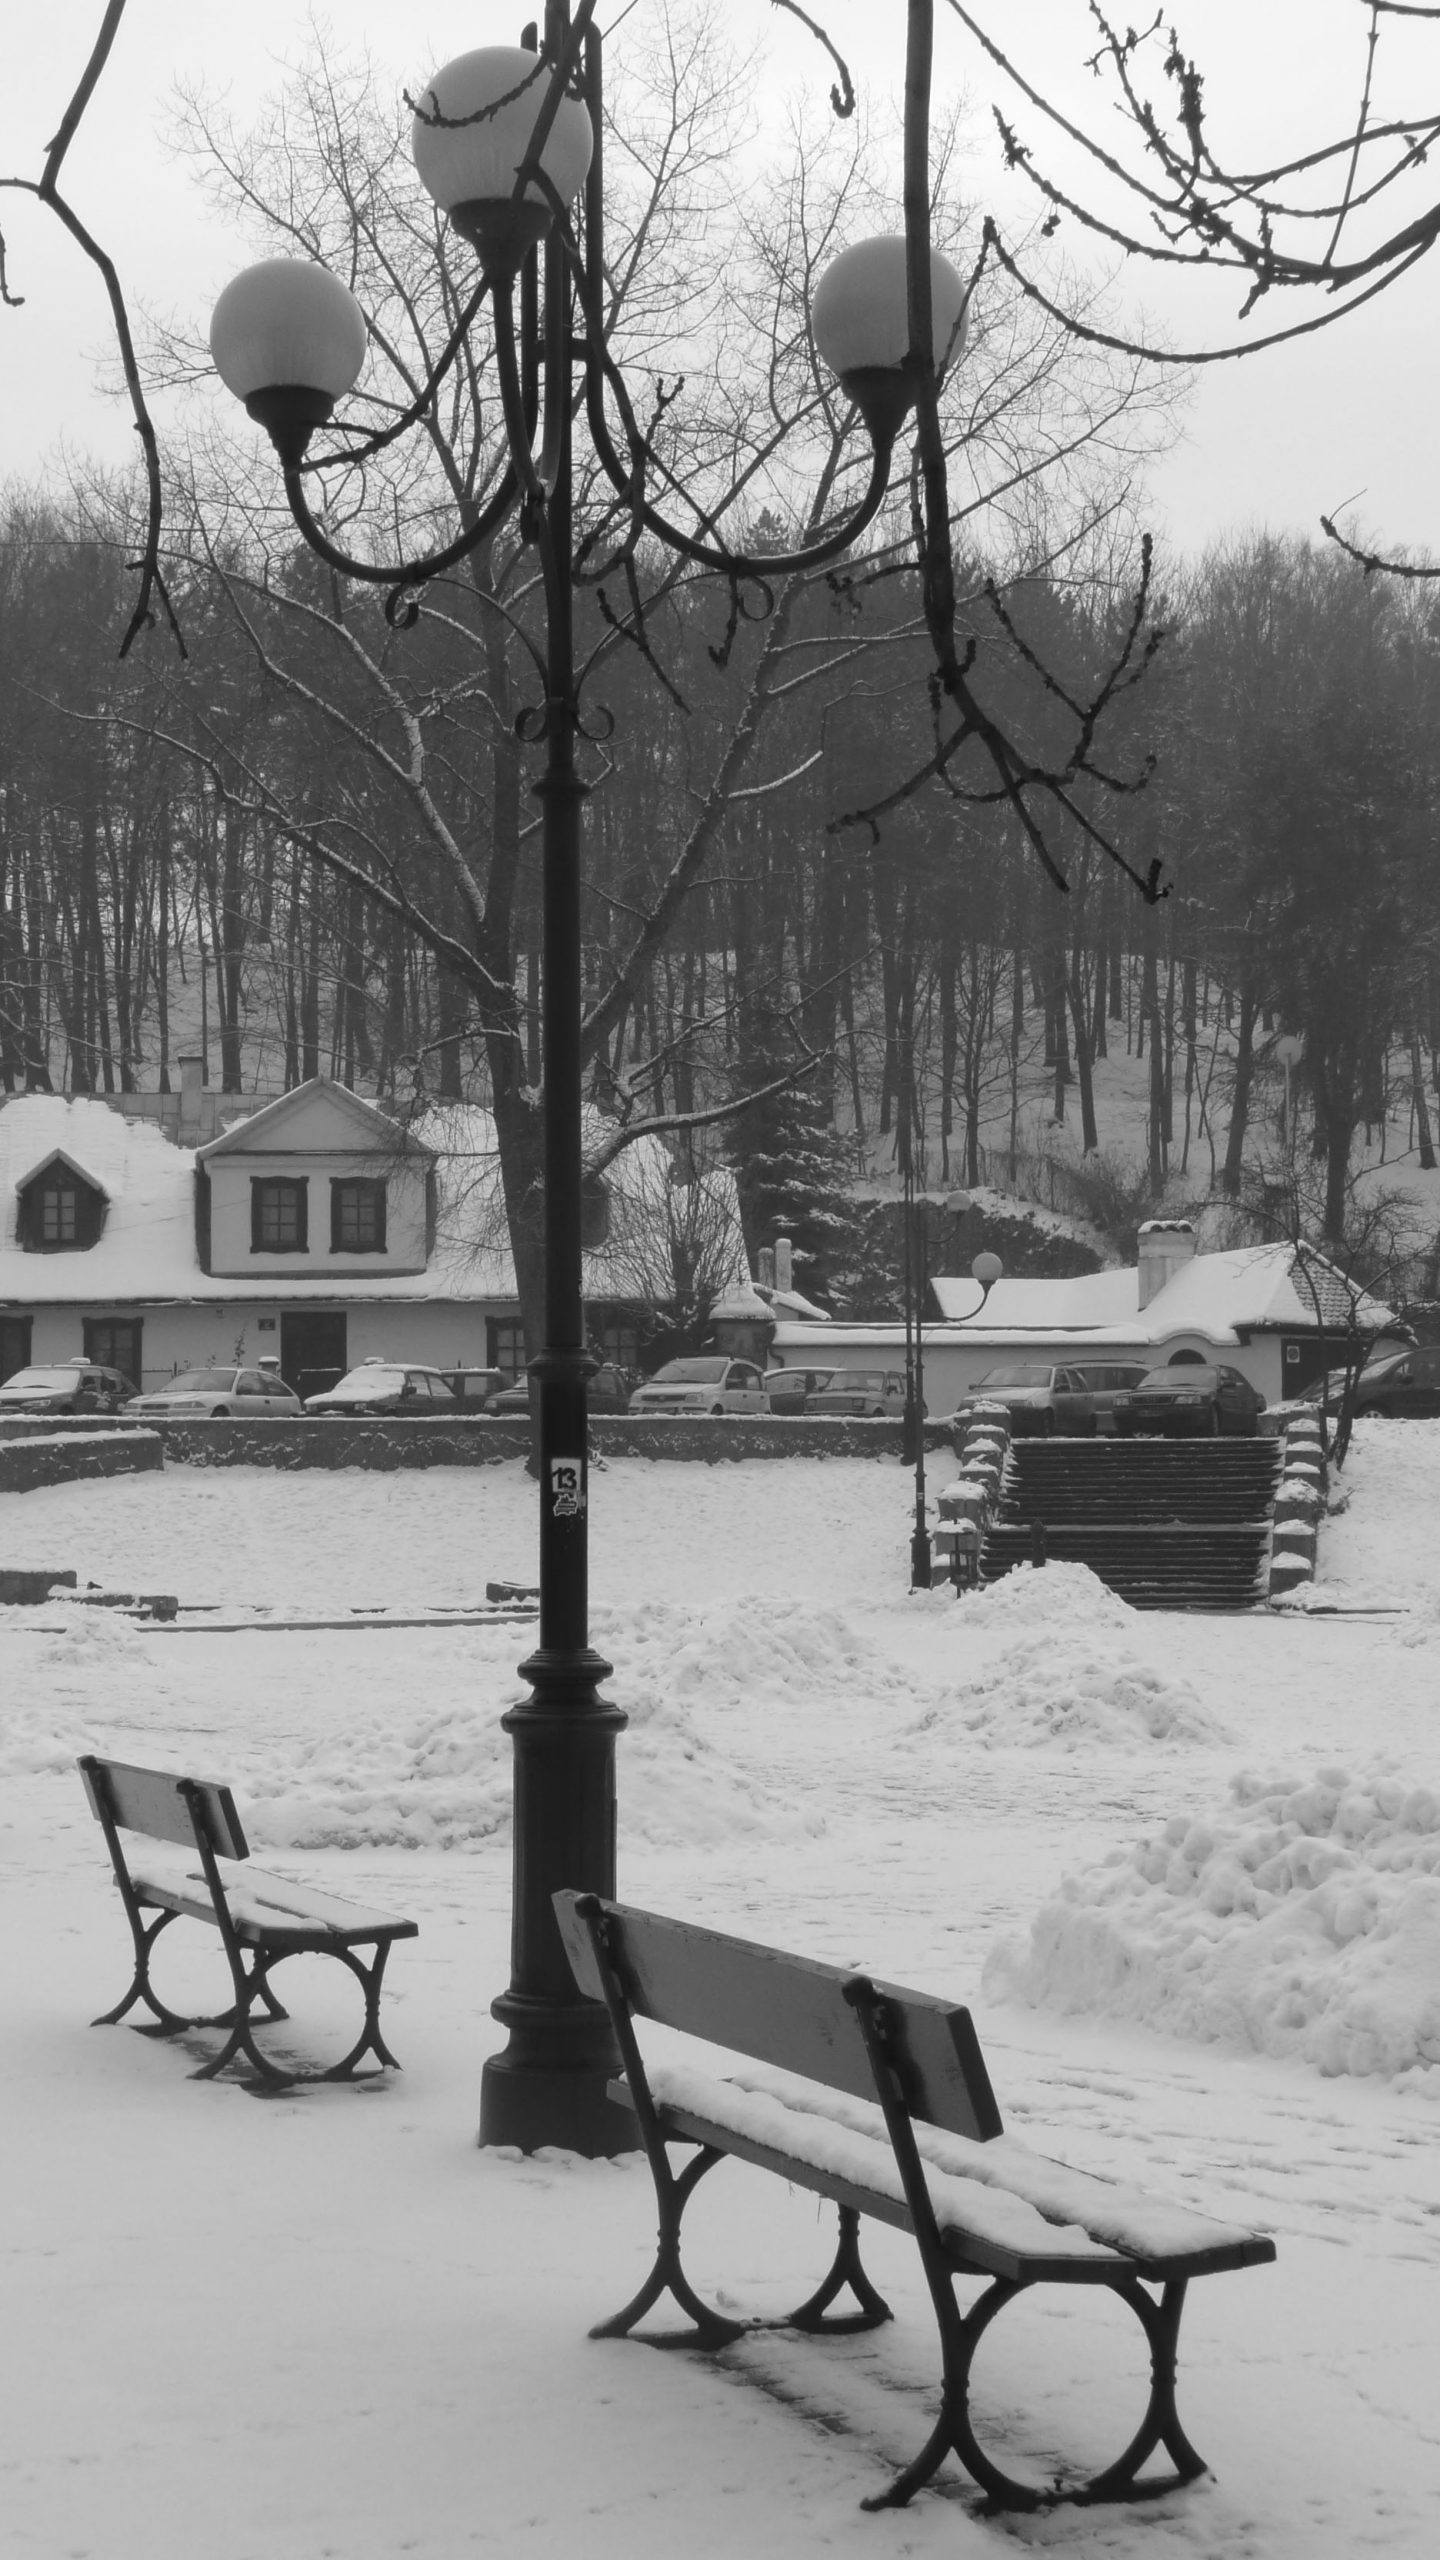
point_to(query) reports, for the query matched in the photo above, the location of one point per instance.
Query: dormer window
(60, 1212)
(279, 1215)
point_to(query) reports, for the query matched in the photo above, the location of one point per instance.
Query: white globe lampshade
(987, 1268)
(287, 322)
(463, 163)
(859, 313)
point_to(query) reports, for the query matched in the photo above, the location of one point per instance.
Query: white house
(317, 1228)
(1254, 1308)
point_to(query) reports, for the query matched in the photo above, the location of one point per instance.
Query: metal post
(915, 1269)
(549, 2084)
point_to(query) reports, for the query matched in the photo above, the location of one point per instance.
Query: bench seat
(264, 1908)
(1002, 2208)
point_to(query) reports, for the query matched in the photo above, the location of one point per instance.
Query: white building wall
(447, 1336)
(230, 1249)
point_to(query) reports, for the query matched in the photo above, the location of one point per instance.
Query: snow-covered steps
(1168, 1524)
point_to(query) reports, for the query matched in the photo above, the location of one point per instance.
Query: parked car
(387, 1386)
(219, 1391)
(70, 1386)
(861, 1392)
(1401, 1383)
(1036, 1396)
(474, 1388)
(710, 1384)
(1191, 1397)
(1102, 1381)
(789, 1390)
(608, 1390)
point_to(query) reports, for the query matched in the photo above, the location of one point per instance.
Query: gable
(317, 1119)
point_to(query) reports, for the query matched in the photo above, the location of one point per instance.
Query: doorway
(14, 1345)
(312, 1352)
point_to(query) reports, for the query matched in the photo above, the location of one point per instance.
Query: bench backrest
(788, 2011)
(150, 1801)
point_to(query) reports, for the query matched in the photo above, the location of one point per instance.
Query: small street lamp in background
(917, 1280)
(507, 142)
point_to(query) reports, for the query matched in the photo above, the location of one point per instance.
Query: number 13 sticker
(567, 1488)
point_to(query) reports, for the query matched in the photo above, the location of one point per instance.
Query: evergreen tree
(792, 1168)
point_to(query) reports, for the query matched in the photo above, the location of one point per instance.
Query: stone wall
(31, 1458)
(385, 1442)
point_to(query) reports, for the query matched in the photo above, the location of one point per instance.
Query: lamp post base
(527, 2103)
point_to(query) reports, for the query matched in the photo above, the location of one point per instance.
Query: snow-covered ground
(1186, 1871)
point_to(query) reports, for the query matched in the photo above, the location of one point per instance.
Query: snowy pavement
(329, 2323)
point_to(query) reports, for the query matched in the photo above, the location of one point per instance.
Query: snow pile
(440, 1777)
(1051, 1595)
(1070, 1668)
(733, 1650)
(51, 1680)
(1303, 1920)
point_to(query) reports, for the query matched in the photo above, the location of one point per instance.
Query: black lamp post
(507, 139)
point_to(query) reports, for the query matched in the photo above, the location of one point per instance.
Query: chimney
(1166, 1245)
(766, 1272)
(192, 1085)
(784, 1269)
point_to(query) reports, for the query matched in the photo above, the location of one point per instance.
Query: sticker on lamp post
(567, 1488)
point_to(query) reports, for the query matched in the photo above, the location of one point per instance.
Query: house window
(505, 1345)
(279, 1220)
(113, 1342)
(616, 1338)
(357, 1217)
(58, 1205)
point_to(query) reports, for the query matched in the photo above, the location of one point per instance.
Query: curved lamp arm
(408, 573)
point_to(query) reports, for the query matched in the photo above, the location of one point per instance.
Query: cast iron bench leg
(711, 2329)
(140, 1988)
(846, 2269)
(256, 1985)
(953, 2433)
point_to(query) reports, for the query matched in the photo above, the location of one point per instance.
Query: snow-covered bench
(880, 2100)
(260, 1918)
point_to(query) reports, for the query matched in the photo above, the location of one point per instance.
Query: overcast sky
(1274, 440)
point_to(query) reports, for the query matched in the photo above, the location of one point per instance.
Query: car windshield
(1020, 1374)
(49, 1379)
(1189, 1379)
(691, 1373)
(204, 1381)
(371, 1382)
(856, 1381)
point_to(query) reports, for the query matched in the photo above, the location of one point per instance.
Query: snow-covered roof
(1042, 1306)
(148, 1247)
(1253, 1288)
(147, 1253)
(1258, 1288)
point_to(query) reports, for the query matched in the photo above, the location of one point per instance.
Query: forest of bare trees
(307, 844)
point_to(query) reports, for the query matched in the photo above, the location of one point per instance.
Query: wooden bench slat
(790, 2011)
(149, 1800)
(265, 1907)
